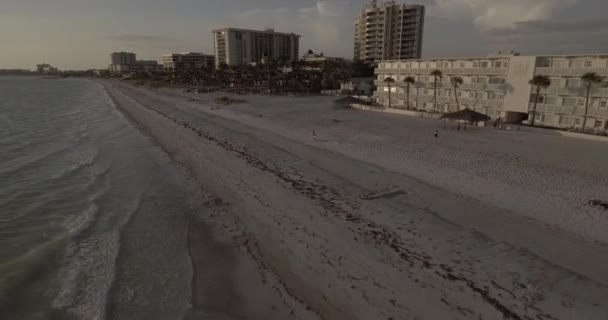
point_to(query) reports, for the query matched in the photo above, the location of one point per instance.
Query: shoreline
(213, 292)
(281, 208)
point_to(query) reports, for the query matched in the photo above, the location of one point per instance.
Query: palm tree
(456, 82)
(538, 81)
(437, 74)
(388, 81)
(408, 81)
(589, 79)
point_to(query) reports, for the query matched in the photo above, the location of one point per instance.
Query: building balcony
(569, 110)
(575, 91)
(571, 72)
(416, 97)
(446, 71)
(446, 85)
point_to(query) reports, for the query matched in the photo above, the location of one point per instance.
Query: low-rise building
(498, 85)
(127, 63)
(316, 62)
(46, 68)
(177, 62)
(358, 86)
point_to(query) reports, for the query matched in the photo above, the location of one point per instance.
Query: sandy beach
(373, 218)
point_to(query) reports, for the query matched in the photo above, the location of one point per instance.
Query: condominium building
(241, 46)
(123, 58)
(175, 62)
(121, 62)
(389, 31)
(498, 86)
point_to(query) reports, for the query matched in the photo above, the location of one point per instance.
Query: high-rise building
(175, 62)
(498, 86)
(241, 46)
(123, 58)
(389, 31)
(122, 62)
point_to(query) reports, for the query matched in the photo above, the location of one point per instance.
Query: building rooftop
(187, 53)
(269, 31)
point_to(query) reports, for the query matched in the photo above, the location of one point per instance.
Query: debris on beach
(598, 203)
(391, 193)
(227, 101)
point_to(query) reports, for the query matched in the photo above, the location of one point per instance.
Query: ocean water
(73, 171)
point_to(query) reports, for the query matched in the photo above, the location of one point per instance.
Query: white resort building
(498, 85)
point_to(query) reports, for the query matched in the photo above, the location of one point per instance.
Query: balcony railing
(571, 71)
(445, 85)
(575, 91)
(447, 71)
(443, 99)
(568, 110)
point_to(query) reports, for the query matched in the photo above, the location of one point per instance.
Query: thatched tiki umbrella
(347, 101)
(467, 115)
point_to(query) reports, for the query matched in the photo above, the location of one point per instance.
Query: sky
(80, 34)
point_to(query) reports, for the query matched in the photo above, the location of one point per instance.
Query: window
(556, 63)
(541, 99)
(472, 94)
(597, 124)
(497, 80)
(446, 64)
(603, 104)
(573, 83)
(581, 102)
(460, 93)
(569, 102)
(496, 64)
(427, 65)
(588, 64)
(505, 64)
(577, 64)
(485, 64)
(550, 100)
(475, 64)
(462, 64)
(577, 121)
(473, 79)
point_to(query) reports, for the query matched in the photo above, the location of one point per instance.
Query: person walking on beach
(314, 135)
(436, 134)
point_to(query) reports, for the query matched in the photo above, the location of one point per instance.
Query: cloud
(133, 38)
(539, 27)
(499, 14)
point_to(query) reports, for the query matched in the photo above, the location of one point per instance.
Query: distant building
(46, 69)
(122, 62)
(176, 62)
(241, 46)
(127, 63)
(123, 58)
(497, 85)
(389, 31)
(359, 86)
(316, 62)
